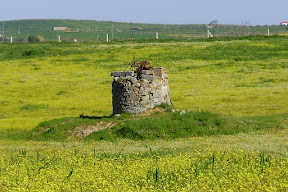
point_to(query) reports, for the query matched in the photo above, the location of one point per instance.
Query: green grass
(197, 163)
(164, 125)
(242, 77)
(197, 124)
(90, 30)
(236, 89)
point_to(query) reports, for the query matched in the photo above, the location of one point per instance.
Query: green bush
(33, 39)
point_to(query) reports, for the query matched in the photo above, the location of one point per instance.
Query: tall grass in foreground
(84, 169)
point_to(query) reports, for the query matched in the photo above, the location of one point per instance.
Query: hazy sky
(252, 12)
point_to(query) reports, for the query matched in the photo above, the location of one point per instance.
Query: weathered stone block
(148, 77)
(147, 72)
(134, 80)
(122, 73)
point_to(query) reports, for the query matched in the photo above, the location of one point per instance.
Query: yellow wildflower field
(241, 78)
(193, 164)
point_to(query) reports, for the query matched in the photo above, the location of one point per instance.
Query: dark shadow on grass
(94, 117)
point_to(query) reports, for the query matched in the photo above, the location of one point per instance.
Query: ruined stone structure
(134, 93)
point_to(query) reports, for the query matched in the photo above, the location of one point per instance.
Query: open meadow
(233, 138)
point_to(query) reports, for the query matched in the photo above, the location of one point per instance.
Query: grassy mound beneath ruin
(157, 124)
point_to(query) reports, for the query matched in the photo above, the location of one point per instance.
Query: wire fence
(76, 35)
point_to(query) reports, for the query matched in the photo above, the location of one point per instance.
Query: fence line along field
(244, 80)
(87, 30)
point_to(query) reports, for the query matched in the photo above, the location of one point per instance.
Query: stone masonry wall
(134, 95)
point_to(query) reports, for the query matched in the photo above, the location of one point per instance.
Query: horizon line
(128, 22)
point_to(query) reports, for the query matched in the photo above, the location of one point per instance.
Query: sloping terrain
(91, 30)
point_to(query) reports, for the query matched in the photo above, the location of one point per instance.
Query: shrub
(33, 39)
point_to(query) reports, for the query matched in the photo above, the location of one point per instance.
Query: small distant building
(284, 23)
(136, 28)
(61, 29)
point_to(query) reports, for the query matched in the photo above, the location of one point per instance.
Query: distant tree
(214, 22)
(33, 39)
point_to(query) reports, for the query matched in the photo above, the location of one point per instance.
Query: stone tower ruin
(139, 90)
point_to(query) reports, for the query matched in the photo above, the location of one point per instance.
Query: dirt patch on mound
(85, 130)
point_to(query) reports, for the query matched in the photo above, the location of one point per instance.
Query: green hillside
(91, 30)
